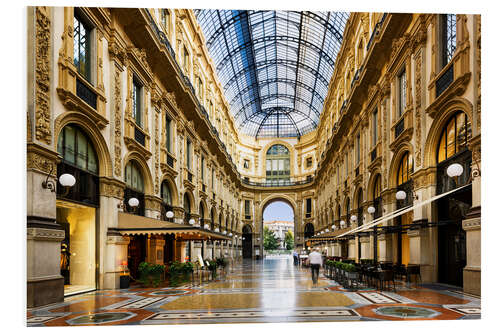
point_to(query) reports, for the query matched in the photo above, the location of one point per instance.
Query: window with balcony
(203, 169)
(309, 162)
(308, 207)
(165, 19)
(247, 209)
(448, 37)
(81, 46)
(185, 58)
(358, 149)
(278, 163)
(188, 154)
(401, 93)
(168, 134)
(137, 101)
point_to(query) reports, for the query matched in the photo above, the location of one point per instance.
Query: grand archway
(278, 226)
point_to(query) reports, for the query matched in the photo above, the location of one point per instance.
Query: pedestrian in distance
(316, 261)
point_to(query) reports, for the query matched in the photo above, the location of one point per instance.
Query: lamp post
(371, 210)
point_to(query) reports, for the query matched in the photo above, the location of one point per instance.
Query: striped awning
(130, 224)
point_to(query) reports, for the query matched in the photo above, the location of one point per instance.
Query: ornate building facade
(129, 102)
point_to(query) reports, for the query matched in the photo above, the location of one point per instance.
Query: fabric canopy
(130, 224)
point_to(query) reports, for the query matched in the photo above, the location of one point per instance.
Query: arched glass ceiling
(275, 66)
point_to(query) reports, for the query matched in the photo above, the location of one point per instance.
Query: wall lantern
(224, 232)
(371, 209)
(342, 224)
(206, 226)
(333, 227)
(66, 180)
(192, 221)
(326, 230)
(170, 214)
(455, 170)
(133, 202)
(400, 195)
(354, 218)
(230, 234)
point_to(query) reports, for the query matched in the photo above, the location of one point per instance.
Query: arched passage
(247, 241)
(278, 225)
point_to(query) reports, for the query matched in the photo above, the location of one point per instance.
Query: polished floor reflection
(258, 291)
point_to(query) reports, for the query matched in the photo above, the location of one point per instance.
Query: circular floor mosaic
(99, 318)
(406, 312)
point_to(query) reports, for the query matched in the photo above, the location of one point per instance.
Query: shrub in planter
(150, 274)
(222, 262)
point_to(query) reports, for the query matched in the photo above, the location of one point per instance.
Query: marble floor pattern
(257, 291)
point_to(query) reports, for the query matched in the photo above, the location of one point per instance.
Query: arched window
(405, 169)
(80, 160)
(348, 212)
(377, 193)
(454, 138)
(77, 150)
(202, 214)
(360, 207)
(133, 177)
(134, 187)
(187, 208)
(166, 195)
(278, 163)
(308, 230)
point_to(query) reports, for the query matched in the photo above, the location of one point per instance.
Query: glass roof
(275, 66)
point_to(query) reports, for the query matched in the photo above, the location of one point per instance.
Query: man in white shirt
(316, 261)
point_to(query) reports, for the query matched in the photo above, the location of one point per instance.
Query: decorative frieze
(118, 123)
(110, 187)
(43, 71)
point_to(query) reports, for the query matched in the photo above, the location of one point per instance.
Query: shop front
(77, 209)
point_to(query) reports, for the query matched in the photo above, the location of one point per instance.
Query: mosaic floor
(265, 291)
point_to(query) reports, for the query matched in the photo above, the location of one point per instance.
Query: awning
(130, 224)
(363, 228)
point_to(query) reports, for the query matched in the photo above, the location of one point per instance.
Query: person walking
(316, 261)
(295, 258)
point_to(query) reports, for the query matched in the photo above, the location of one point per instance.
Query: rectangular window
(188, 154)
(358, 149)
(213, 176)
(448, 37)
(136, 102)
(200, 88)
(185, 58)
(401, 92)
(203, 168)
(375, 128)
(247, 207)
(308, 205)
(168, 126)
(165, 19)
(309, 162)
(81, 47)
(246, 164)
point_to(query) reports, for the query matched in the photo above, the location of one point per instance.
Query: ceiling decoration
(275, 66)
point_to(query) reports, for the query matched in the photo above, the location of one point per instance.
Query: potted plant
(150, 274)
(212, 267)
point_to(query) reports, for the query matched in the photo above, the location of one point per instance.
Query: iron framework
(275, 66)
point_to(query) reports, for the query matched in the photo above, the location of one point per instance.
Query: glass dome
(275, 66)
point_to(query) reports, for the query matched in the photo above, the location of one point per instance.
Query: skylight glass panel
(274, 66)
